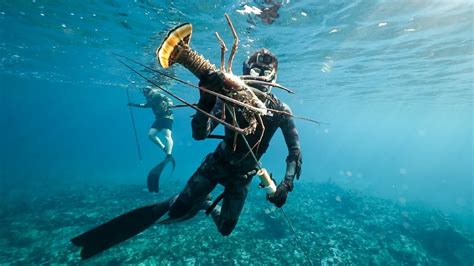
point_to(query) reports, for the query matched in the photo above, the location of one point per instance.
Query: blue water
(392, 80)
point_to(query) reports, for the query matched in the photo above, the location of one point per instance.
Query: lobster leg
(234, 120)
(223, 111)
(211, 116)
(234, 47)
(257, 144)
(223, 50)
(262, 82)
(218, 95)
(260, 94)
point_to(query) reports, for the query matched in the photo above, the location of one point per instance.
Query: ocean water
(387, 179)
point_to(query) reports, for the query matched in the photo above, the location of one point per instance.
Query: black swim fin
(153, 179)
(119, 229)
(173, 162)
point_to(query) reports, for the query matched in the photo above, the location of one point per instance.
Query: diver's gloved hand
(281, 193)
(212, 80)
(293, 166)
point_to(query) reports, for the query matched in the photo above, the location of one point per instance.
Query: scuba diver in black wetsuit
(231, 168)
(161, 106)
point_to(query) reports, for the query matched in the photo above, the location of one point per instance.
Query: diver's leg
(194, 196)
(154, 138)
(169, 140)
(226, 217)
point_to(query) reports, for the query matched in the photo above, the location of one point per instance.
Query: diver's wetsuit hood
(262, 57)
(262, 63)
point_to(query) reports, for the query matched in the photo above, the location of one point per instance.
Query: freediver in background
(161, 106)
(229, 167)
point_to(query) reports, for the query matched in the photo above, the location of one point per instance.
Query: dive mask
(267, 73)
(262, 71)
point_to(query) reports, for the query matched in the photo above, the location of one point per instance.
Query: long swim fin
(153, 179)
(173, 162)
(119, 229)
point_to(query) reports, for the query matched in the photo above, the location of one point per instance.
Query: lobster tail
(175, 49)
(167, 52)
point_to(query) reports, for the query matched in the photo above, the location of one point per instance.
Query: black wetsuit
(234, 169)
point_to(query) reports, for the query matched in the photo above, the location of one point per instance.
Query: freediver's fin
(187, 216)
(153, 179)
(119, 229)
(173, 162)
(171, 220)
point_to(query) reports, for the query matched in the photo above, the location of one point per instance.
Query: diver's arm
(201, 124)
(217, 112)
(140, 105)
(293, 161)
(294, 158)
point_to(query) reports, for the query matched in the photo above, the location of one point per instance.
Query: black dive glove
(293, 169)
(293, 166)
(214, 81)
(281, 193)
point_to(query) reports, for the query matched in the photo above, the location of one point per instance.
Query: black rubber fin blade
(119, 229)
(173, 162)
(153, 179)
(170, 220)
